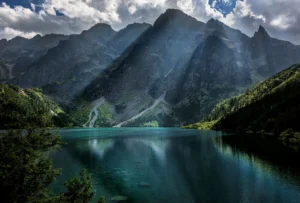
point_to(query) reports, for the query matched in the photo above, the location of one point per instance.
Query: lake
(177, 165)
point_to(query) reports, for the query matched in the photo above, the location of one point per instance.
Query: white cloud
(81, 9)
(132, 9)
(276, 15)
(186, 6)
(243, 8)
(283, 22)
(32, 6)
(9, 33)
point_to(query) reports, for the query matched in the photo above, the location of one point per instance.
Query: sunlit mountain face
(223, 6)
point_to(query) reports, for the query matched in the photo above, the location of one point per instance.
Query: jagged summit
(3, 40)
(100, 30)
(172, 11)
(177, 18)
(261, 32)
(215, 24)
(38, 36)
(18, 38)
(100, 27)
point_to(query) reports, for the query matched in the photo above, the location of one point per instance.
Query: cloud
(283, 22)
(281, 18)
(9, 33)
(186, 6)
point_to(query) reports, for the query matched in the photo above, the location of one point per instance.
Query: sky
(27, 18)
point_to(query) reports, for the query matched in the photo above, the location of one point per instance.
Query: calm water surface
(173, 165)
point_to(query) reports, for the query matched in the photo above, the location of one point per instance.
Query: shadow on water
(266, 152)
(190, 166)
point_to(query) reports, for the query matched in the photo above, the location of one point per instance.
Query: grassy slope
(272, 106)
(282, 88)
(22, 108)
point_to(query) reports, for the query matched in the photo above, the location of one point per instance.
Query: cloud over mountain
(280, 17)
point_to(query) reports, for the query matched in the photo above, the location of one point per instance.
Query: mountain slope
(176, 56)
(69, 67)
(272, 106)
(156, 54)
(21, 108)
(194, 65)
(269, 56)
(19, 52)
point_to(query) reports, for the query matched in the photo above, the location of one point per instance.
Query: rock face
(17, 54)
(269, 56)
(173, 72)
(194, 64)
(69, 67)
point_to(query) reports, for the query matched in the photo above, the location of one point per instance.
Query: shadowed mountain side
(272, 106)
(68, 68)
(165, 59)
(155, 55)
(18, 53)
(269, 56)
(193, 65)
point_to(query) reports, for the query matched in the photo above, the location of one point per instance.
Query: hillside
(23, 108)
(272, 106)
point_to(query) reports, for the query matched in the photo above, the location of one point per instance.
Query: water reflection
(199, 167)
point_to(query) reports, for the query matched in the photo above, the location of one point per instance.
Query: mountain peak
(38, 36)
(212, 23)
(174, 11)
(261, 32)
(100, 26)
(212, 20)
(177, 18)
(3, 40)
(98, 31)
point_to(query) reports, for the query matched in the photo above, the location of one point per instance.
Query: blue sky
(223, 6)
(26, 18)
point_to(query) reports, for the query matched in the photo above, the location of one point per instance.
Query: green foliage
(102, 200)
(28, 108)
(272, 106)
(79, 189)
(64, 120)
(26, 172)
(105, 116)
(202, 125)
(80, 114)
(150, 124)
(291, 138)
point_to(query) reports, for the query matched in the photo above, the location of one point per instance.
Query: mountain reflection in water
(170, 165)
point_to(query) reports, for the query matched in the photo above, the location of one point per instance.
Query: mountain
(159, 52)
(22, 108)
(69, 67)
(17, 53)
(178, 70)
(172, 73)
(269, 56)
(273, 106)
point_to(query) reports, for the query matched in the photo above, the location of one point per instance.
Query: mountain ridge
(194, 64)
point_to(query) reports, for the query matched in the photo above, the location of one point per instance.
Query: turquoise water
(172, 165)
